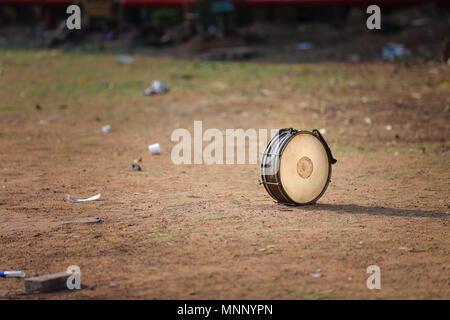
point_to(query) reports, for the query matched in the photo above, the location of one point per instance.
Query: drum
(296, 166)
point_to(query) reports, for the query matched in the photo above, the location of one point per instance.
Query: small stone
(406, 249)
(47, 283)
(86, 220)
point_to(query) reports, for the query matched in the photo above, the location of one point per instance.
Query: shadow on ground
(381, 211)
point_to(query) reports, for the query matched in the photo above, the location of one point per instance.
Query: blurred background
(272, 30)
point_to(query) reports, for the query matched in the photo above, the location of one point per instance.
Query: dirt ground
(211, 231)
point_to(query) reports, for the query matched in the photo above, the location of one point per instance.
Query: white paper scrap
(96, 197)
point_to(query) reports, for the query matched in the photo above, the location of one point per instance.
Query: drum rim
(280, 186)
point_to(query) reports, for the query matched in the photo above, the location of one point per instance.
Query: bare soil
(211, 231)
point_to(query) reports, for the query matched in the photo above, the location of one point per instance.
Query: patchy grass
(210, 217)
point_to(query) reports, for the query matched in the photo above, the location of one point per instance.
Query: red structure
(179, 3)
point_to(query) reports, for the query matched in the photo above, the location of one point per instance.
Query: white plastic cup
(106, 128)
(157, 85)
(154, 148)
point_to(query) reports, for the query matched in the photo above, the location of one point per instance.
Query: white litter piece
(156, 88)
(315, 275)
(154, 148)
(106, 128)
(138, 194)
(125, 59)
(96, 197)
(388, 127)
(322, 130)
(12, 274)
(367, 120)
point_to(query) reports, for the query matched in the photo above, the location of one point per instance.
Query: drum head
(304, 168)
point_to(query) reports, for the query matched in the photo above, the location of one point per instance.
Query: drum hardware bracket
(290, 130)
(266, 182)
(327, 148)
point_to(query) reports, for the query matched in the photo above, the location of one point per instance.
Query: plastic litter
(96, 197)
(12, 274)
(125, 59)
(304, 46)
(136, 167)
(154, 148)
(315, 275)
(157, 87)
(394, 50)
(106, 128)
